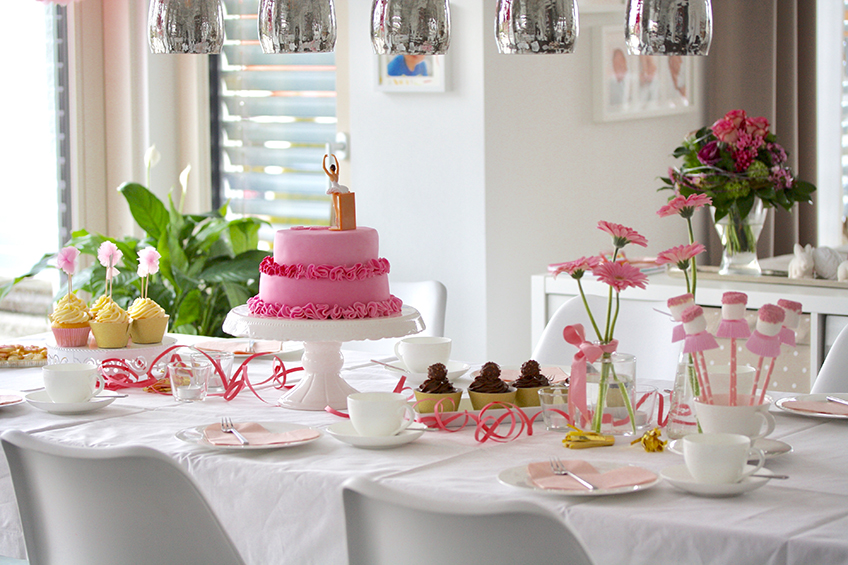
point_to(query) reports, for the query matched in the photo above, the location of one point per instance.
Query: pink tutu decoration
(733, 329)
(787, 336)
(678, 333)
(763, 345)
(700, 342)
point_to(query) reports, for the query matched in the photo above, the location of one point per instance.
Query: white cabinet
(827, 307)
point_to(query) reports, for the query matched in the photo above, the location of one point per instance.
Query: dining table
(285, 505)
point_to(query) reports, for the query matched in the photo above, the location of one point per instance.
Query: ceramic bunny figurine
(827, 262)
(842, 271)
(801, 266)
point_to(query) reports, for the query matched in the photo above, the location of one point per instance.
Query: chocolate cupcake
(528, 384)
(435, 388)
(488, 387)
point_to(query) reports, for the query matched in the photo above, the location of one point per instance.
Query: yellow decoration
(651, 441)
(578, 439)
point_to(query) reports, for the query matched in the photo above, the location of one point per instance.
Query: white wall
(484, 185)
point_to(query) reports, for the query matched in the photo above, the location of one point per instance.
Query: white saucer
(344, 432)
(455, 370)
(679, 477)
(196, 436)
(41, 400)
(771, 447)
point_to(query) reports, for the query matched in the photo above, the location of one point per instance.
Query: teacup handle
(101, 383)
(398, 351)
(761, 459)
(769, 421)
(406, 419)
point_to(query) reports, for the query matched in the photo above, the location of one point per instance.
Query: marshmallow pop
(698, 340)
(790, 323)
(765, 342)
(676, 306)
(733, 325)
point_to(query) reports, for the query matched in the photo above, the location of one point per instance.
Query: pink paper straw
(706, 377)
(766, 383)
(757, 379)
(733, 371)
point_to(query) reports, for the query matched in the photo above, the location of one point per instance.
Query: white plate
(455, 370)
(285, 350)
(41, 400)
(345, 432)
(771, 447)
(195, 436)
(678, 476)
(518, 477)
(813, 398)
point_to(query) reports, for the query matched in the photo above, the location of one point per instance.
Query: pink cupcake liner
(71, 337)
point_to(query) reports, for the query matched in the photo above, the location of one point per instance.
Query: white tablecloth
(284, 506)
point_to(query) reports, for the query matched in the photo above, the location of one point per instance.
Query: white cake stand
(322, 385)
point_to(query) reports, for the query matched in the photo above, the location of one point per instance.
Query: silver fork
(559, 469)
(227, 427)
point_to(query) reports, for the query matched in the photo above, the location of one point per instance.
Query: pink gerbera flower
(577, 267)
(685, 206)
(622, 235)
(680, 255)
(620, 275)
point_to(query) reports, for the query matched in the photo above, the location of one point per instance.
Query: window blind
(272, 116)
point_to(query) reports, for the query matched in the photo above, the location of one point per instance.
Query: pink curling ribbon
(486, 425)
(587, 352)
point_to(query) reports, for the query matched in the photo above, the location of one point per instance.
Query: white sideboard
(827, 307)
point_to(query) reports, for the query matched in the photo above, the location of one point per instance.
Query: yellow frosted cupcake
(111, 327)
(99, 304)
(69, 322)
(149, 321)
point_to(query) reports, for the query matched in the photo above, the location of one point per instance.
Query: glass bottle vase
(610, 384)
(739, 235)
(681, 411)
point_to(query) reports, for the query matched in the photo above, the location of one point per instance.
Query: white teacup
(379, 413)
(67, 383)
(720, 378)
(718, 417)
(720, 458)
(418, 353)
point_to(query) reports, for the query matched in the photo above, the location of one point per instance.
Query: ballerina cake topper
(344, 203)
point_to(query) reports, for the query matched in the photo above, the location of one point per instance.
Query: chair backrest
(428, 297)
(833, 375)
(110, 505)
(641, 330)
(386, 527)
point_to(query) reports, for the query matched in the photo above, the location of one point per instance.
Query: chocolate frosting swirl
(437, 380)
(531, 376)
(489, 380)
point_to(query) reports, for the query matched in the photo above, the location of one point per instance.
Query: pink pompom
(149, 259)
(66, 260)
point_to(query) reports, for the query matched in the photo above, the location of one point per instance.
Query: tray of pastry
(16, 356)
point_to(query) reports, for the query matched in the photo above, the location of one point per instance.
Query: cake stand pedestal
(322, 384)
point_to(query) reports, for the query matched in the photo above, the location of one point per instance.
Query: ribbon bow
(587, 352)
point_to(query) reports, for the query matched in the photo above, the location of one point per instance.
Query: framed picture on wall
(411, 73)
(638, 86)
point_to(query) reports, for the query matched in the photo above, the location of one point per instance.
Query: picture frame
(410, 73)
(630, 87)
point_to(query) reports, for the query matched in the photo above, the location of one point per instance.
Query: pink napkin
(256, 434)
(821, 406)
(542, 476)
(238, 347)
(10, 398)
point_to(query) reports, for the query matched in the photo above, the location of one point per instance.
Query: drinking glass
(554, 403)
(189, 379)
(222, 360)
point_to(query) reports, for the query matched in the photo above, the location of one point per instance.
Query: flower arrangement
(619, 274)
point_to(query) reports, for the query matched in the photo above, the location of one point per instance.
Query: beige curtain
(762, 60)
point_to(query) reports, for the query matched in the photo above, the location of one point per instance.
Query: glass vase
(681, 411)
(739, 235)
(610, 384)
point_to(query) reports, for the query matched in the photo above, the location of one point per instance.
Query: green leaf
(242, 268)
(244, 234)
(237, 294)
(189, 309)
(37, 268)
(147, 210)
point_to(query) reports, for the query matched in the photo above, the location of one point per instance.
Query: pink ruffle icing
(699, 342)
(733, 328)
(763, 345)
(358, 272)
(377, 309)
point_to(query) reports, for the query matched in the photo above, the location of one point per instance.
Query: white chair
(428, 297)
(439, 531)
(110, 505)
(640, 329)
(833, 375)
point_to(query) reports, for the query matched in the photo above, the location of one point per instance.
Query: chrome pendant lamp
(536, 26)
(297, 26)
(669, 27)
(412, 27)
(185, 26)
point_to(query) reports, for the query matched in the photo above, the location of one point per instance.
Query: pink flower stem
(733, 371)
(757, 379)
(766, 382)
(708, 392)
